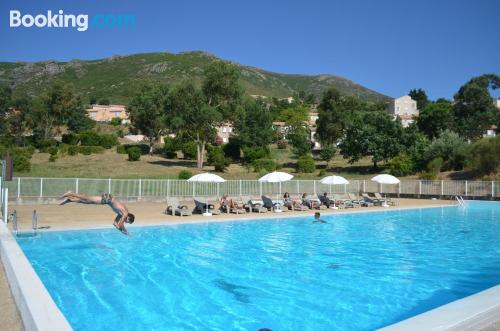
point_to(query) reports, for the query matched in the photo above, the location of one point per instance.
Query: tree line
(445, 136)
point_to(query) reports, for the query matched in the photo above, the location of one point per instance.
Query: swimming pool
(357, 272)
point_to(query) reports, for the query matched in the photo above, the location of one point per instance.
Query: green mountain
(116, 78)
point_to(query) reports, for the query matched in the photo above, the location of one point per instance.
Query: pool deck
(9, 315)
(79, 216)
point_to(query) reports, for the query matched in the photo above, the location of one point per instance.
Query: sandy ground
(74, 216)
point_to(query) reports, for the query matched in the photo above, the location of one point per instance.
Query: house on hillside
(404, 108)
(105, 113)
(313, 117)
(224, 132)
(497, 103)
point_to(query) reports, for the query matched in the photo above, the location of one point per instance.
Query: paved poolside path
(10, 320)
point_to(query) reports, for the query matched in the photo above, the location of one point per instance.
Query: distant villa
(405, 108)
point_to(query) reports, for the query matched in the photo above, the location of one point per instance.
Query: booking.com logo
(80, 22)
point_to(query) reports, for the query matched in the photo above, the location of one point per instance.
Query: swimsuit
(106, 199)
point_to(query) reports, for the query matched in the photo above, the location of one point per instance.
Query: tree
(192, 118)
(372, 134)
(474, 109)
(420, 97)
(20, 118)
(334, 113)
(5, 104)
(299, 139)
(147, 112)
(56, 107)
(293, 116)
(254, 125)
(435, 118)
(327, 154)
(197, 113)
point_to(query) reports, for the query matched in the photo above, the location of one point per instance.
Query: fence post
(41, 187)
(419, 188)
(466, 193)
(314, 186)
(241, 183)
(109, 185)
(260, 189)
(140, 189)
(18, 188)
(76, 185)
(364, 186)
(442, 189)
(194, 184)
(492, 190)
(298, 187)
(6, 205)
(168, 188)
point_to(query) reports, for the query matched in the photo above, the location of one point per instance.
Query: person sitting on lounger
(287, 201)
(122, 214)
(224, 203)
(317, 218)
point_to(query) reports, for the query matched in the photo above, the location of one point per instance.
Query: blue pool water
(358, 272)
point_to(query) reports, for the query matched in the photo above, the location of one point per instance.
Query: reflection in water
(234, 289)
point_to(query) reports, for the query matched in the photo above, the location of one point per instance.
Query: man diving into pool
(122, 214)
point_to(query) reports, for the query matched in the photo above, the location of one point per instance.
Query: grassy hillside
(117, 77)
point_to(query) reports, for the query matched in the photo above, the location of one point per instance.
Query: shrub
(327, 154)
(53, 150)
(121, 149)
(451, 148)
(321, 173)
(401, 165)
(170, 148)
(119, 133)
(217, 159)
(90, 138)
(254, 153)
(189, 150)
(108, 140)
(52, 158)
(115, 121)
(21, 163)
(134, 153)
(432, 169)
(264, 164)
(44, 144)
(88, 150)
(70, 138)
(72, 150)
(486, 155)
(184, 174)
(306, 164)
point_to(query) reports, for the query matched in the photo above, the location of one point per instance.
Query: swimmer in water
(317, 218)
(122, 214)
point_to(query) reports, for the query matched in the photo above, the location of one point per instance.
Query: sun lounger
(356, 201)
(343, 202)
(272, 205)
(367, 198)
(201, 207)
(236, 206)
(256, 206)
(389, 201)
(176, 208)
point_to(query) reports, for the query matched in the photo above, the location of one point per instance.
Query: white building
(497, 103)
(405, 108)
(224, 132)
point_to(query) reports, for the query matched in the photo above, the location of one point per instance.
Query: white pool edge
(480, 311)
(37, 309)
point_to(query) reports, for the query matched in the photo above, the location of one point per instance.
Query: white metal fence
(48, 188)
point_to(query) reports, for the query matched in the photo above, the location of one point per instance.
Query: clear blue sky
(390, 46)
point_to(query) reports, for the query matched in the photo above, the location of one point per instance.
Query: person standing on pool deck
(122, 214)
(317, 218)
